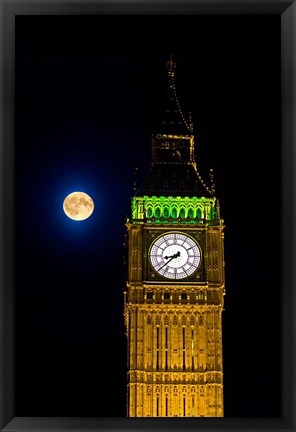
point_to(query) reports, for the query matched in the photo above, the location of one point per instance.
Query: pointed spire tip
(171, 65)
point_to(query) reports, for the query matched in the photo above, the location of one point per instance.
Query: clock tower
(175, 280)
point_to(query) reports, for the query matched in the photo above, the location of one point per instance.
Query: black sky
(89, 91)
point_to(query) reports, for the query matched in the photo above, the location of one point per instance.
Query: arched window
(174, 212)
(190, 213)
(199, 213)
(166, 212)
(149, 212)
(157, 212)
(182, 213)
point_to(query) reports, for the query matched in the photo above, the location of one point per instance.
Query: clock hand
(166, 263)
(173, 256)
(176, 255)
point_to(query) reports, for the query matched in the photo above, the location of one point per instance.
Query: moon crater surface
(78, 206)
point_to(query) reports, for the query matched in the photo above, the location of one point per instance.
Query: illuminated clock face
(175, 255)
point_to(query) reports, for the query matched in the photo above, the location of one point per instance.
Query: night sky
(89, 92)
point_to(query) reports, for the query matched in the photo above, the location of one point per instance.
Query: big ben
(175, 288)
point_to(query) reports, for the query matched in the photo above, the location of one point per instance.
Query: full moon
(78, 206)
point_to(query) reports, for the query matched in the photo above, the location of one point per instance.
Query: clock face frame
(175, 255)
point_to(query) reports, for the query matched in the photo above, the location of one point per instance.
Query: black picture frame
(287, 11)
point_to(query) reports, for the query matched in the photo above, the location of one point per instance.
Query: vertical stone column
(135, 253)
(132, 338)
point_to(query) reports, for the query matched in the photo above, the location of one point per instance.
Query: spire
(171, 65)
(173, 169)
(174, 121)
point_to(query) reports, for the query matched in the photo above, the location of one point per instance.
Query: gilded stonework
(173, 315)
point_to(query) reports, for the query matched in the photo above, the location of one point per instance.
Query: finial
(171, 65)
